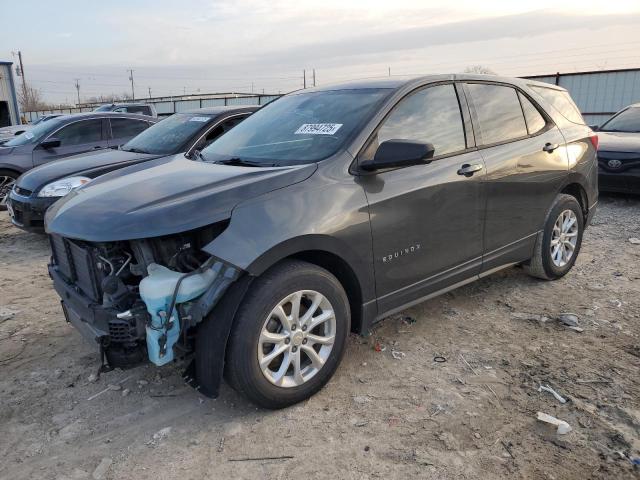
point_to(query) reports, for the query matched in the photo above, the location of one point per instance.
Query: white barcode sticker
(29, 135)
(318, 129)
(199, 119)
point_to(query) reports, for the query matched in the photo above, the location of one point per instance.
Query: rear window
(562, 102)
(499, 113)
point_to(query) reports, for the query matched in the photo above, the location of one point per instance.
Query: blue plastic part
(156, 290)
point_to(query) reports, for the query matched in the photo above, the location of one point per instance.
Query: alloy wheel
(564, 238)
(297, 338)
(6, 184)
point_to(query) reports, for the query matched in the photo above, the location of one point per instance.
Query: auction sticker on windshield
(28, 135)
(318, 129)
(199, 119)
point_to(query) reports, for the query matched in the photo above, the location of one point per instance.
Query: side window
(535, 121)
(124, 127)
(431, 115)
(499, 113)
(561, 101)
(78, 133)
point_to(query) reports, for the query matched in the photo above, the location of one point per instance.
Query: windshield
(297, 128)
(35, 134)
(104, 108)
(169, 135)
(626, 121)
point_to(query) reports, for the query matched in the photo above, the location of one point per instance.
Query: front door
(426, 220)
(77, 137)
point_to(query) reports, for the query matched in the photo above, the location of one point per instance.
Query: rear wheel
(289, 335)
(558, 245)
(7, 181)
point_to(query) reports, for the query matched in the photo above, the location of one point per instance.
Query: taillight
(593, 136)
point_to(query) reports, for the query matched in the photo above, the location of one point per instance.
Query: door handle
(469, 169)
(550, 147)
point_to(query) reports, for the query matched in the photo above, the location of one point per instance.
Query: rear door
(526, 161)
(77, 137)
(426, 220)
(124, 129)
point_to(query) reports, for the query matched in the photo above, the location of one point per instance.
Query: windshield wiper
(135, 150)
(239, 162)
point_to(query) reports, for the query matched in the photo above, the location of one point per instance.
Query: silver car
(62, 137)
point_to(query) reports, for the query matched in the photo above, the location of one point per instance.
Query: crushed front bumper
(121, 339)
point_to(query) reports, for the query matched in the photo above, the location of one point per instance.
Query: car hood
(8, 132)
(88, 164)
(619, 142)
(172, 197)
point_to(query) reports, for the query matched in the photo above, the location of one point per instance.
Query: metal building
(9, 111)
(599, 94)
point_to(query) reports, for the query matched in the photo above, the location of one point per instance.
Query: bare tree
(111, 98)
(480, 69)
(31, 99)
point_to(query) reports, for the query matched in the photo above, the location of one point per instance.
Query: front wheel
(7, 181)
(289, 335)
(558, 245)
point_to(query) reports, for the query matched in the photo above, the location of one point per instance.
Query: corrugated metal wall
(8, 93)
(599, 94)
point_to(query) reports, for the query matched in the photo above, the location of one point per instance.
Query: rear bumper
(27, 213)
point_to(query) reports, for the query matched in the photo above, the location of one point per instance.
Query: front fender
(311, 216)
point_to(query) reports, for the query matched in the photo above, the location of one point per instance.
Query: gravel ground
(391, 411)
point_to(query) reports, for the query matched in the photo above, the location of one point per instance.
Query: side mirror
(51, 142)
(595, 128)
(399, 153)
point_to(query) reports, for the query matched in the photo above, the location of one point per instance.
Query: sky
(203, 46)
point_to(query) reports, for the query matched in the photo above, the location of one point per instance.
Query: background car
(186, 132)
(141, 108)
(6, 133)
(62, 137)
(619, 152)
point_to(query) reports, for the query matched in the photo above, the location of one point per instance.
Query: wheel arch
(330, 254)
(577, 190)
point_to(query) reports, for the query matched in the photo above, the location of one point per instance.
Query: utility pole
(314, 77)
(389, 71)
(149, 91)
(304, 79)
(251, 87)
(78, 89)
(24, 82)
(133, 92)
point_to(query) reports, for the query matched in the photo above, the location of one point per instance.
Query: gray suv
(322, 213)
(62, 137)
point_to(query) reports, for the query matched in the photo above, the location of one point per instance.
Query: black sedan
(619, 152)
(189, 132)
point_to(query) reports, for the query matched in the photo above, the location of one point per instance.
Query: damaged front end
(140, 299)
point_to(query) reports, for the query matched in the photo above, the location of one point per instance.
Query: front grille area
(77, 264)
(122, 331)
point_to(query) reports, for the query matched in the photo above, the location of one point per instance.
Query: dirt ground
(470, 416)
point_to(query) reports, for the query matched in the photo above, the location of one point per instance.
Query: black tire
(5, 187)
(541, 264)
(242, 369)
